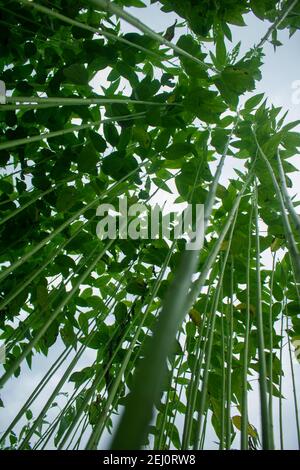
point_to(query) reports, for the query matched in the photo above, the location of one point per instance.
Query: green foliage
(166, 119)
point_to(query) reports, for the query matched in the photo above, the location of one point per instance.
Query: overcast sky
(281, 69)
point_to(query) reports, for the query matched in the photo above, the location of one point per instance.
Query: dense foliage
(62, 153)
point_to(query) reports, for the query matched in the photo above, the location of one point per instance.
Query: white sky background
(280, 70)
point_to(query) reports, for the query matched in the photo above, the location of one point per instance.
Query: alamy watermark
(296, 345)
(138, 221)
(2, 353)
(296, 92)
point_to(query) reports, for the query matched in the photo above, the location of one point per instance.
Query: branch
(277, 23)
(288, 202)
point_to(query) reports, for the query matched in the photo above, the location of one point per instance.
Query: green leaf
(29, 415)
(111, 134)
(178, 150)
(162, 185)
(291, 140)
(162, 140)
(97, 141)
(117, 165)
(120, 312)
(221, 54)
(142, 136)
(254, 101)
(66, 198)
(188, 44)
(205, 104)
(87, 159)
(82, 376)
(237, 421)
(77, 74)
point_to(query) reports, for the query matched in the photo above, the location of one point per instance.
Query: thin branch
(112, 8)
(285, 12)
(286, 224)
(288, 202)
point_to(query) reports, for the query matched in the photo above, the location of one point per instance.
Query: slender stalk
(222, 439)
(287, 228)
(49, 374)
(209, 203)
(196, 373)
(66, 224)
(149, 377)
(199, 283)
(265, 421)
(229, 360)
(27, 107)
(285, 12)
(68, 130)
(294, 384)
(112, 8)
(97, 31)
(271, 350)
(97, 431)
(203, 435)
(166, 406)
(200, 370)
(211, 338)
(28, 348)
(280, 385)
(244, 413)
(288, 202)
(27, 204)
(173, 418)
(77, 101)
(53, 395)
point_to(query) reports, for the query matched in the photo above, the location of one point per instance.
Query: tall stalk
(244, 408)
(28, 348)
(163, 425)
(199, 283)
(288, 202)
(292, 246)
(265, 419)
(223, 391)
(28, 281)
(149, 377)
(293, 384)
(196, 374)
(66, 224)
(49, 374)
(271, 349)
(49, 135)
(281, 434)
(211, 338)
(229, 359)
(97, 431)
(38, 421)
(65, 101)
(112, 8)
(98, 31)
(284, 13)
